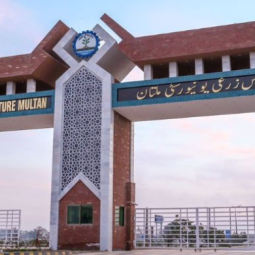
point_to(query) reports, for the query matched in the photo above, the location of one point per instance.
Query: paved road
(171, 252)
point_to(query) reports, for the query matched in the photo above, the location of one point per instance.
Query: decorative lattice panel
(82, 128)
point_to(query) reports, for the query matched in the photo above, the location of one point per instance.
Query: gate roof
(212, 41)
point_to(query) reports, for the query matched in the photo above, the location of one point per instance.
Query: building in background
(10, 228)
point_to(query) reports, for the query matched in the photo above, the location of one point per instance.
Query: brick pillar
(123, 186)
(130, 215)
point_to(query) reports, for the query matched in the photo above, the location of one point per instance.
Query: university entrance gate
(71, 83)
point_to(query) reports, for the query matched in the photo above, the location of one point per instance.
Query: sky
(188, 162)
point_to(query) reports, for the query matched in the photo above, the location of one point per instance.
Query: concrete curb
(38, 253)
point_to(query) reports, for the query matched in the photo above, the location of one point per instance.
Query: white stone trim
(60, 47)
(85, 180)
(56, 164)
(252, 59)
(109, 56)
(173, 69)
(106, 154)
(109, 43)
(106, 172)
(199, 66)
(148, 72)
(106, 209)
(31, 85)
(57, 154)
(10, 88)
(226, 63)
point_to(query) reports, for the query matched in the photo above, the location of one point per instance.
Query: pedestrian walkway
(172, 252)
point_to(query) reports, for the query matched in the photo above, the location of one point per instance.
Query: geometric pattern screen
(82, 128)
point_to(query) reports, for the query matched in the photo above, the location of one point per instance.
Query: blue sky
(186, 162)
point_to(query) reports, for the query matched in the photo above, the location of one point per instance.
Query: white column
(107, 134)
(148, 72)
(226, 63)
(31, 85)
(173, 69)
(11, 88)
(199, 66)
(252, 59)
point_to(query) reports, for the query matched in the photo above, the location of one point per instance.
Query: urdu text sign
(212, 86)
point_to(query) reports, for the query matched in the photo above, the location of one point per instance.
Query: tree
(85, 41)
(34, 238)
(239, 238)
(184, 231)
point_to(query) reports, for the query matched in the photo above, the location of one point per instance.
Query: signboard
(195, 87)
(159, 219)
(27, 104)
(228, 234)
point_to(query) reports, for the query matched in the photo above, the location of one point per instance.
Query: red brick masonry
(191, 44)
(84, 236)
(41, 64)
(44, 65)
(123, 190)
(79, 237)
(130, 215)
